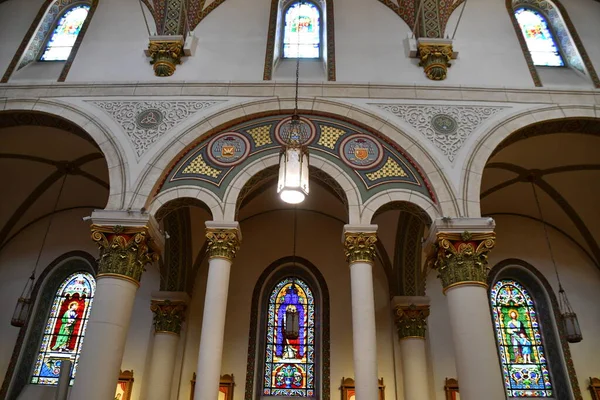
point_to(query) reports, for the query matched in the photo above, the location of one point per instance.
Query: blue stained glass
(539, 39)
(289, 362)
(65, 328)
(302, 31)
(63, 38)
(522, 353)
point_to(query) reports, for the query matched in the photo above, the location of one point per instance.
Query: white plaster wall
(369, 41)
(15, 19)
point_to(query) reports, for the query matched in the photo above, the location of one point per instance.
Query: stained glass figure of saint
(290, 352)
(539, 39)
(65, 328)
(302, 31)
(63, 38)
(522, 354)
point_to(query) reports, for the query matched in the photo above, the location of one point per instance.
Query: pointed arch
(42, 30)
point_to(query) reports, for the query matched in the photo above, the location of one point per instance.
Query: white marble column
(223, 242)
(411, 321)
(359, 248)
(127, 241)
(461, 248)
(169, 313)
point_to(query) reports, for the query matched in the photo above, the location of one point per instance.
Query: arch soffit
(146, 193)
(491, 139)
(110, 148)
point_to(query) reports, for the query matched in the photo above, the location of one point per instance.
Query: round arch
(151, 179)
(491, 139)
(79, 120)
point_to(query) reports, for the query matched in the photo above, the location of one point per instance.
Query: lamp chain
(295, 235)
(297, 64)
(539, 207)
(62, 185)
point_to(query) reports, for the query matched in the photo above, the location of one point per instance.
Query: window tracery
(65, 328)
(520, 342)
(539, 38)
(60, 43)
(302, 31)
(290, 342)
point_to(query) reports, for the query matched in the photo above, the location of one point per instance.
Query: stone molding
(168, 315)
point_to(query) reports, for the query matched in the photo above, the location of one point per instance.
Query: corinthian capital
(124, 250)
(168, 315)
(359, 243)
(461, 258)
(223, 239)
(411, 320)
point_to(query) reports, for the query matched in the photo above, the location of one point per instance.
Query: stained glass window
(522, 353)
(302, 31)
(539, 39)
(65, 328)
(290, 347)
(63, 38)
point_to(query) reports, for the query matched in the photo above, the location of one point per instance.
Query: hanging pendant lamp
(568, 318)
(292, 185)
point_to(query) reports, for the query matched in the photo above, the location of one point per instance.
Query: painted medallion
(228, 149)
(361, 152)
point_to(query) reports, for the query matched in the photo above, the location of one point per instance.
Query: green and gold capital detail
(461, 258)
(124, 251)
(222, 243)
(411, 321)
(166, 55)
(360, 247)
(168, 315)
(435, 60)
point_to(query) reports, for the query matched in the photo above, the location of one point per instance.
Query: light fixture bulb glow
(292, 196)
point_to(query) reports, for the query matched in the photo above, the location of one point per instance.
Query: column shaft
(479, 374)
(414, 369)
(104, 342)
(213, 330)
(162, 366)
(364, 331)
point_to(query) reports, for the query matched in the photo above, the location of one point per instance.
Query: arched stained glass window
(520, 342)
(540, 41)
(65, 328)
(290, 342)
(63, 38)
(302, 31)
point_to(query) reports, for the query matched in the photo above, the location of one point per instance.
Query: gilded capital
(461, 258)
(411, 321)
(222, 243)
(168, 315)
(435, 59)
(360, 247)
(124, 250)
(166, 55)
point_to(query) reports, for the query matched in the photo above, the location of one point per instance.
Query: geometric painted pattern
(390, 169)
(200, 167)
(373, 163)
(330, 136)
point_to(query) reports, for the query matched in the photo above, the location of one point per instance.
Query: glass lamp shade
(292, 323)
(572, 329)
(23, 307)
(292, 186)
